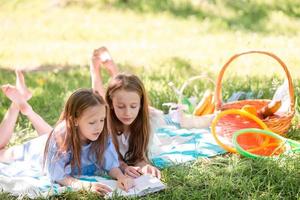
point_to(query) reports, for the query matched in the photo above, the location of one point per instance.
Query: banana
(210, 108)
(205, 101)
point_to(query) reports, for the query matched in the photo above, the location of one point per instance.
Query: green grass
(161, 41)
(224, 177)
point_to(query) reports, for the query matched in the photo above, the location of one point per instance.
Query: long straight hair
(76, 104)
(140, 127)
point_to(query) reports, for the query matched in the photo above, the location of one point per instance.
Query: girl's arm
(124, 182)
(111, 164)
(132, 171)
(147, 168)
(77, 184)
(123, 165)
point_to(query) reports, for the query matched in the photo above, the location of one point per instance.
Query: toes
(5, 88)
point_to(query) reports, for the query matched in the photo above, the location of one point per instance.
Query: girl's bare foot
(95, 66)
(21, 86)
(17, 98)
(107, 61)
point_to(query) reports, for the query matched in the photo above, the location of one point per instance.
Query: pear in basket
(269, 109)
(250, 109)
(206, 105)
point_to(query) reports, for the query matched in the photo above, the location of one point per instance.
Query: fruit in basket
(210, 108)
(269, 109)
(205, 105)
(250, 109)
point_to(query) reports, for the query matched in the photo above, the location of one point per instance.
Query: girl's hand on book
(125, 183)
(100, 188)
(149, 169)
(132, 171)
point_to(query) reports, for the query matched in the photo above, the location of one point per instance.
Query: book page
(143, 185)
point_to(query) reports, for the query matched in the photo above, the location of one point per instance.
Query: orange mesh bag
(227, 122)
(278, 123)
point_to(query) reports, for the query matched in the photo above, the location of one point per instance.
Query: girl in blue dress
(78, 145)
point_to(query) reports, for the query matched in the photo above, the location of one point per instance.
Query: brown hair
(76, 104)
(140, 127)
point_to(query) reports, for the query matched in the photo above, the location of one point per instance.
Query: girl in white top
(129, 118)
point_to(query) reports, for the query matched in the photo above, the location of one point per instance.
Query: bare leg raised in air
(19, 95)
(101, 57)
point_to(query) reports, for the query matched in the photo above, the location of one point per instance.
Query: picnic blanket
(177, 146)
(183, 145)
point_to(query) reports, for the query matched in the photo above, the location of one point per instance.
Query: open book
(144, 184)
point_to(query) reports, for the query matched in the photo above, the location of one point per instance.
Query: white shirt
(156, 120)
(123, 144)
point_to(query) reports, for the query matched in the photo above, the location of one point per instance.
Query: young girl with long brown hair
(129, 118)
(80, 144)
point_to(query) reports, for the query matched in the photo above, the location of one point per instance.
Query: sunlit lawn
(36, 33)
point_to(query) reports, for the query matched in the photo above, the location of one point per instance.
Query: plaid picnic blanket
(177, 146)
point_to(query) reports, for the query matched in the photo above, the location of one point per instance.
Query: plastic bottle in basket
(282, 94)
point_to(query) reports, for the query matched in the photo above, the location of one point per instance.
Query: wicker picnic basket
(278, 123)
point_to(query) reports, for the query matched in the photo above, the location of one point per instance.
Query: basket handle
(218, 92)
(188, 81)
